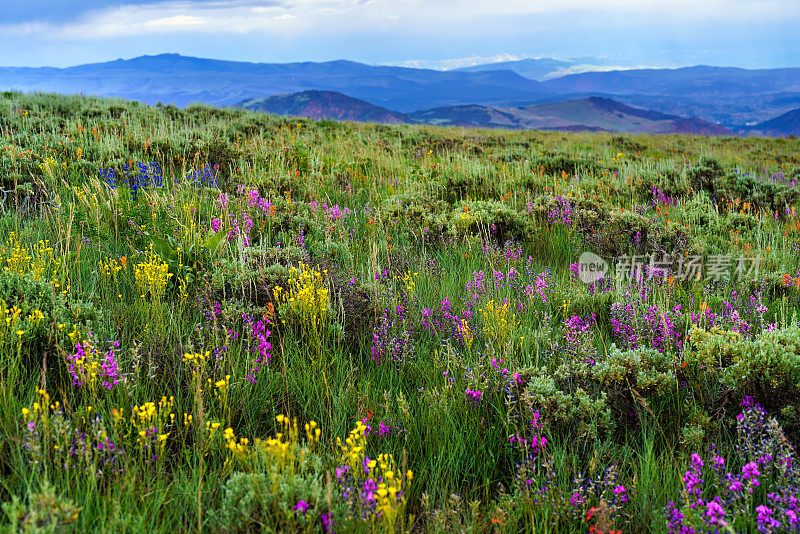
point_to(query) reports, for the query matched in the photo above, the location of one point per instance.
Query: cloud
(209, 16)
(747, 32)
(177, 21)
(597, 64)
(577, 69)
(342, 16)
(457, 63)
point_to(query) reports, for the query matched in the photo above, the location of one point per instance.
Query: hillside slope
(324, 105)
(592, 114)
(784, 125)
(180, 80)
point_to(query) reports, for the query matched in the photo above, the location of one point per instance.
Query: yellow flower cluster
(10, 320)
(239, 449)
(109, 268)
(51, 167)
(466, 333)
(75, 336)
(39, 408)
(409, 284)
(306, 298)
(197, 361)
(150, 422)
(152, 276)
(19, 259)
(387, 502)
(281, 450)
(354, 446)
(211, 426)
(499, 323)
(13, 326)
(222, 387)
(384, 468)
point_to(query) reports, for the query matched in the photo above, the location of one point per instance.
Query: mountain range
(507, 94)
(542, 69)
(325, 105)
(180, 80)
(779, 126)
(586, 114)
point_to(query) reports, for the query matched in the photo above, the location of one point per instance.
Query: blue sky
(435, 33)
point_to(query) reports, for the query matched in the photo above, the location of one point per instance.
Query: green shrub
(646, 369)
(577, 411)
(266, 500)
(623, 142)
(761, 194)
(44, 512)
(707, 175)
(490, 218)
(768, 366)
(457, 186)
(555, 165)
(252, 277)
(332, 254)
(669, 181)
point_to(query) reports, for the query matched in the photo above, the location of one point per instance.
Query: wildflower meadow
(221, 321)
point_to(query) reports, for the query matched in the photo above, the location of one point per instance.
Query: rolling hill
(587, 114)
(535, 69)
(782, 126)
(594, 114)
(180, 80)
(324, 105)
(683, 81)
(736, 98)
(731, 96)
(544, 68)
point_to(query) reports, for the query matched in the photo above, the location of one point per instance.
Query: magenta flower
(715, 513)
(301, 507)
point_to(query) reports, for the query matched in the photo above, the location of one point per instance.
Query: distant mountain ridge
(325, 105)
(588, 114)
(535, 69)
(728, 95)
(181, 80)
(542, 69)
(732, 97)
(782, 126)
(592, 114)
(681, 81)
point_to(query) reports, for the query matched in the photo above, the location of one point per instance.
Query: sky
(427, 33)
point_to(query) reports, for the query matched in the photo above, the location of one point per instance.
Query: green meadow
(215, 320)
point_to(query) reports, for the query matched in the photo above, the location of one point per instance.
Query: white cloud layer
(457, 63)
(295, 17)
(754, 33)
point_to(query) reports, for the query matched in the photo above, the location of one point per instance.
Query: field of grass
(216, 320)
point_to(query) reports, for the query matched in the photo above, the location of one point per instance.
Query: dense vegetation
(219, 320)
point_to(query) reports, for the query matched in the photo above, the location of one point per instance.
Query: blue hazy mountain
(536, 69)
(587, 114)
(325, 105)
(543, 68)
(732, 97)
(782, 126)
(180, 80)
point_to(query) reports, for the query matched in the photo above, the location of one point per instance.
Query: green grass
(376, 207)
